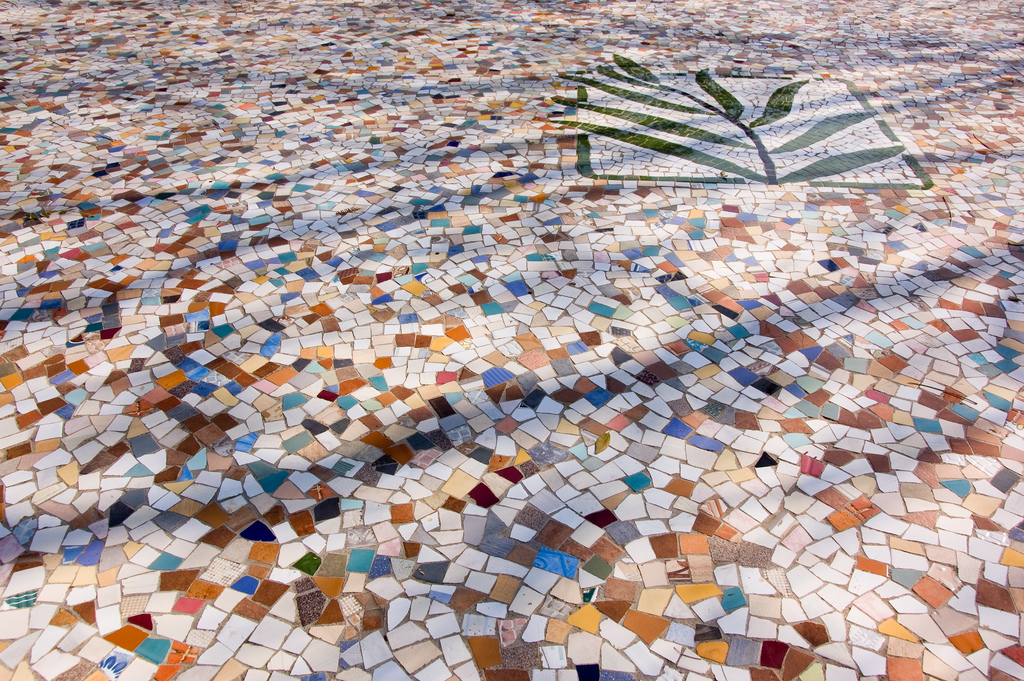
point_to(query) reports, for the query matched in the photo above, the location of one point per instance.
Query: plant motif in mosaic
(634, 124)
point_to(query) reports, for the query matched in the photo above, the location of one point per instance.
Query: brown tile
(816, 634)
(302, 523)
(796, 662)
(220, 537)
(213, 515)
(87, 611)
(253, 611)
(553, 534)
(332, 614)
(274, 516)
(523, 554)
(577, 550)
(665, 545)
(613, 609)
(269, 592)
(486, 651)
(178, 580)
(463, 599)
(607, 549)
(992, 595)
(621, 590)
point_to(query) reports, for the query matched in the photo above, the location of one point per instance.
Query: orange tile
(647, 627)
(873, 566)
(967, 643)
(693, 543)
(167, 671)
(843, 520)
(172, 379)
(128, 637)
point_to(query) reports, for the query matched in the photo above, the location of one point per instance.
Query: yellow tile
(586, 618)
(459, 484)
(522, 457)
(1012, 558)
(706, 371)
(716, 651)
(178, 487)
(701, 337)
(567, 428)
(252, 364)
(225, 397)
(691, 593)
(654, 601)
(414, 287)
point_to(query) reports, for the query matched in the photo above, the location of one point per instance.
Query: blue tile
(496, 376)
(743, 376)
(598, 397)
(677, 428)
(556, 562)
(707, 443)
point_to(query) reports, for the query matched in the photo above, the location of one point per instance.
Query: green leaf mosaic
(770, 130)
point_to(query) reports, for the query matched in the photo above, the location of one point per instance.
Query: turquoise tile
(360, 560)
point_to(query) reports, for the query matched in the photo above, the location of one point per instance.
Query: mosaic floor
(511, 341)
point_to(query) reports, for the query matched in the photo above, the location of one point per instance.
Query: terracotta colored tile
(904, 669)
(264, 552)
(932, 592)
(402, 513)
(205, 590)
